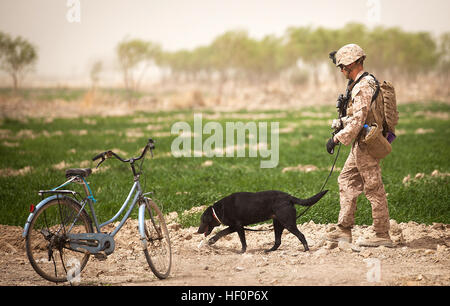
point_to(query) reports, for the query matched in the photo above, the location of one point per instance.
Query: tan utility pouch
(377, 144)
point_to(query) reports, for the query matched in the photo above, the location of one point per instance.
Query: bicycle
(59, 232)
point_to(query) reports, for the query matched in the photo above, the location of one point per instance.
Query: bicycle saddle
(84, 172)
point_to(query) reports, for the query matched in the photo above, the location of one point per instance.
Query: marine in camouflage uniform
(361, 172)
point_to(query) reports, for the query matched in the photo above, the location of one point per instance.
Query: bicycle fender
(37, 208)
(142, 226)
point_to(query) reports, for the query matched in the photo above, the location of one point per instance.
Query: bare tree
(17, 56)
(132, 54)
(96, 69)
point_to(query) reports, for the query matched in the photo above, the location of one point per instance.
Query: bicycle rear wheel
(157, 248)
(46, 242)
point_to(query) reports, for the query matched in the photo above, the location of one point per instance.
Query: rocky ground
(421, 256)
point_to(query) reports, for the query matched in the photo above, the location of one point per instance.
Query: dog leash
(304, 212)
(332, 168)
(326, 180)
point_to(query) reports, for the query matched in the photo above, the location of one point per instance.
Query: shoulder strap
(374, 97)
(352, 84)
(377, 91)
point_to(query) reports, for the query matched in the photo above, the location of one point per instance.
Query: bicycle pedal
(101, 256)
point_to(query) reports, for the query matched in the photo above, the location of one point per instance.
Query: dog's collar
(215, 216)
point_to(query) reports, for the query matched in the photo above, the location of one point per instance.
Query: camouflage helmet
(349, 54)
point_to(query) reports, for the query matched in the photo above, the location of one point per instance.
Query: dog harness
(215, 216)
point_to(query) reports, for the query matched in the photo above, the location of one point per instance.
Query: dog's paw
(270, 250)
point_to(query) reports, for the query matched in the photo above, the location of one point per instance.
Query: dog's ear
(205, 220)
(208, 215)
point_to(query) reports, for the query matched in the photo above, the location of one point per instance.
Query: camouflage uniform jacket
(358, 110)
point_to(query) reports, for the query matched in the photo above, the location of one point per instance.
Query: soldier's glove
(330, 146)
(337, 124)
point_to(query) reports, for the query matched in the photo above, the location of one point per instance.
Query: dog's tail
(311, 201)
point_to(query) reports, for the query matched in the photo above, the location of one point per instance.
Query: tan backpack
(390, 106)
(385, 113)
(386, 106)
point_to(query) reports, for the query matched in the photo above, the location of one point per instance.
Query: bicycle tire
(158, 250)
(46, 246)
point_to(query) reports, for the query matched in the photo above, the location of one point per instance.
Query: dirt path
(421, 257)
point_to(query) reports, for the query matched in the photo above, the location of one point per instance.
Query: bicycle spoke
(158, 251)
(47, 235)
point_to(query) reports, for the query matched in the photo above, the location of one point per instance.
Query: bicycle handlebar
(99, 156)
(107, 154)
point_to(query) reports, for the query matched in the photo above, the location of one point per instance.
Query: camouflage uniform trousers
(362, 173)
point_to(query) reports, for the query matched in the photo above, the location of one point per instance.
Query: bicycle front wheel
(157, 248)
(47, 243)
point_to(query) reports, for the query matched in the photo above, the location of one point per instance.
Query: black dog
(244, 208)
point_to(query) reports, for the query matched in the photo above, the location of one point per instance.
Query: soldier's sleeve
(362, 96)
(345, 120)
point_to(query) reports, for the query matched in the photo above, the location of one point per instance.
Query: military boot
(340, 234)
(376, 240)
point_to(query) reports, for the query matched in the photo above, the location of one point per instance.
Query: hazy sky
(67, 49)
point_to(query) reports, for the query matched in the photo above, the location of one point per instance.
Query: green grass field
(42, 149)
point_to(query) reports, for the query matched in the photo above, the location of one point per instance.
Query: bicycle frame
(137, 191)
(105, 241)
